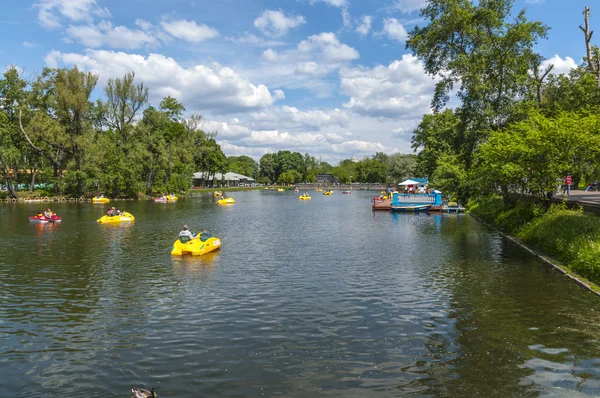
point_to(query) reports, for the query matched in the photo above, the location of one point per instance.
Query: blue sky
(327, 77)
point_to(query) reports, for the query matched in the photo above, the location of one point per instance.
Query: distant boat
(347, 192)
(410, 208)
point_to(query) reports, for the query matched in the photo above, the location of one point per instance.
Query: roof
(204, 175)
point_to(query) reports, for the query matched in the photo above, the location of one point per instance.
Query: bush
(569, 235)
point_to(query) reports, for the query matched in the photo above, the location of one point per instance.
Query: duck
(141, 393)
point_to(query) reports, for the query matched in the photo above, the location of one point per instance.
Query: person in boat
(110, 212)
(186, 234)
(39, 214)
(48, 213)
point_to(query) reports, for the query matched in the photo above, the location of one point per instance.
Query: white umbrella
(408, 182)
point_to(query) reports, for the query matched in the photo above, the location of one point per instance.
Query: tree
(244, 165)
(12, 97)
(401, 166)
(268, 165)
(61, 127)
(173, 130)
(532, 156)
(475, 46)
(435, 136)
(124, 101)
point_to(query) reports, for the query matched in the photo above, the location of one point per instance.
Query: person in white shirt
(186, 233)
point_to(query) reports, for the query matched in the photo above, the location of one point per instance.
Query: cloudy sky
(327, 77)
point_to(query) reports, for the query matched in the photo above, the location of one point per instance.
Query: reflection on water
(305, 298)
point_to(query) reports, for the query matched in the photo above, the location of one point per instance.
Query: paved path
(583, 197)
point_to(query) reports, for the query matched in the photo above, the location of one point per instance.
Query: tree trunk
(32, 185)
(168, 175)
(588, 38)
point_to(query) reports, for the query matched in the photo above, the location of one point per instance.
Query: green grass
(571, 236)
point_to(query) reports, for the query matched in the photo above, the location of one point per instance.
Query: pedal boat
(226, 201)
(304, 197)
(44, 219)
(123, 217)
(166, 199)
(203, 243)
(97, 199)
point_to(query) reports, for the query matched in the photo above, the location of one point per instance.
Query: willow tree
(479, 51)
(60, 128)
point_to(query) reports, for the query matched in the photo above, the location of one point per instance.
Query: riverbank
(567, 239)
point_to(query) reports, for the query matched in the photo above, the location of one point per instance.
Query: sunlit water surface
(305, 298)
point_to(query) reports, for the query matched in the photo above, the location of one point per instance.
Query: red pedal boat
(44, 219)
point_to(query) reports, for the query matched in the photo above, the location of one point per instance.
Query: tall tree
(12, 97)
(475, 46)
(174, 130)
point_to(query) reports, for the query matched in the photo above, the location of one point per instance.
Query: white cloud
(534, 1)
(312, 69)
(249, 38)
(561, 66)
(400, 90)
(294, 119)
(189, 30)
(212, 87)
(320, 132)
(51, 11)
(275, 24)
(365, 26)
(270, 55)
(106, 34)
(332, 50)
(28, 44)
(143, 24)
(335, 3)
(394, 29)
(408, 6)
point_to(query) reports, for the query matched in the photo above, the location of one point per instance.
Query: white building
(206, 179)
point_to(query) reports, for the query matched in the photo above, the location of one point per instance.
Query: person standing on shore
(568, 182)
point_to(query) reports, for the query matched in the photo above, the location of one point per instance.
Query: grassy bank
(570, 236)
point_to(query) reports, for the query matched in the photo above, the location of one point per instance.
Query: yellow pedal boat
(102, 199)
(304, 197)
(280, 190)
(319, 190)
(226, 201)
(330, 192)
(123, 217)
(202, 244)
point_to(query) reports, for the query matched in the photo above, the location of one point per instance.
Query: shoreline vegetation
(519, 134)
(567, 239)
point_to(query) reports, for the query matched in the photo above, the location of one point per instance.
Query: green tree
(268, 166)
(244, 165)
(435, 136)
(477, 47)
(401, 166)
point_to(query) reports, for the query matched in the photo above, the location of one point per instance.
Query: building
(206, 179)
(327, 179)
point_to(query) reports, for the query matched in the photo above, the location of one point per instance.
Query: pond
(305, 298)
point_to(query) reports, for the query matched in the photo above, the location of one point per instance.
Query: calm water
(305, 299)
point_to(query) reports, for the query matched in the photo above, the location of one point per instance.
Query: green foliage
(452, 178)
(435, 136)
(532, 156)
(244, 165)
(569, 235)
